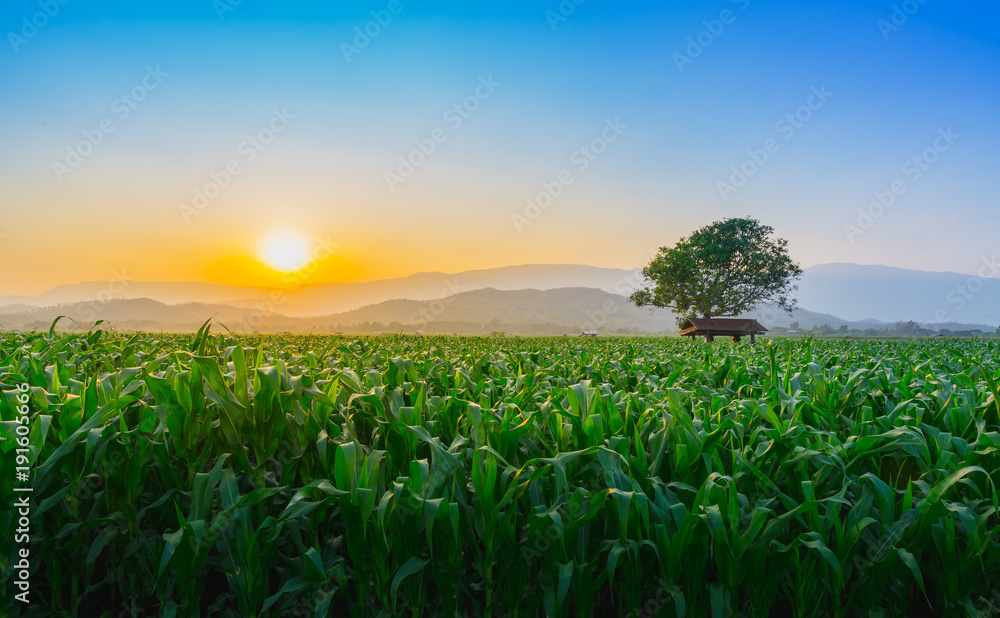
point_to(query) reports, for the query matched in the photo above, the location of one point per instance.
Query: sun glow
(285, 252)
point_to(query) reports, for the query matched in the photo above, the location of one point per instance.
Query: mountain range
(527, 299)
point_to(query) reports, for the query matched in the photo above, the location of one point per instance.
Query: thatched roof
(721, 326)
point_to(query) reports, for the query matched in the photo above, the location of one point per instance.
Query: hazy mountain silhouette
(856, 292)
(851, 292)
(543, 312)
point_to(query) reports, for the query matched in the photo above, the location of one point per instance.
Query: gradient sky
(222, 73)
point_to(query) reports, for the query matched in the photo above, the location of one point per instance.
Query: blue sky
(559, 81)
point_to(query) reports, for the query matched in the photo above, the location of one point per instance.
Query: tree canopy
(724, 269)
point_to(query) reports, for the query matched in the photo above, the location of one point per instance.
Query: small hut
(710, 328)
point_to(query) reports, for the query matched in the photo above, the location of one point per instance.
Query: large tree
(725, 269)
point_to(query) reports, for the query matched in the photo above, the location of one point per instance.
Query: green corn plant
(215, 474)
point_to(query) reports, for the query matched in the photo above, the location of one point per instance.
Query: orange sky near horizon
(117, 226)
(44, 244)
(47, 246)
(61, 254)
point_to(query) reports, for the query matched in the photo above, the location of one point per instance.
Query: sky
(174, 141)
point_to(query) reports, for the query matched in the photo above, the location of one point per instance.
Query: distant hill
(561, 311)
(16, 308)
(170, 293)
(138, 314)
(339, 297)
(856, 292)
(527, 312)
(329, 298)
(834, 294)
(805, 318)
(569, 310)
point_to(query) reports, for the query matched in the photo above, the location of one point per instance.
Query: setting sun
(286, 252)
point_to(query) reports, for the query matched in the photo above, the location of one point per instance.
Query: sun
(285, 252)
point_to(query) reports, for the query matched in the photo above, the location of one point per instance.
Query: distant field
(446, 476)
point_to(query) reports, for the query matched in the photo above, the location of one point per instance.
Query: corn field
(214, 475)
